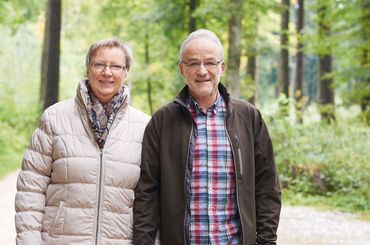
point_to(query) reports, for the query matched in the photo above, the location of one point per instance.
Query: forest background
(304, 64)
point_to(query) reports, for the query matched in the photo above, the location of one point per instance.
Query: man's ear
(181, 69)
(223, 66)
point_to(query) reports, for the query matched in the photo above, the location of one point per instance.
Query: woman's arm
(32, 183)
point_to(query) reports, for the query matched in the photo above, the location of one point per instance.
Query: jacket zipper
(239, 154)
(235, 175)
(186, 170)
(99, 199)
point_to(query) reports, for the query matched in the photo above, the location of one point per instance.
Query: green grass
(12, 146)
(324, 164)
(13, 143)
(10, 161)
(17, 122)
(344, 203)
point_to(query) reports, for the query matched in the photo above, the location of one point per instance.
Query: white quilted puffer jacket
(70, 191)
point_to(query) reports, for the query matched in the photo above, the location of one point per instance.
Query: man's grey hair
(201, 33)
(113, 42)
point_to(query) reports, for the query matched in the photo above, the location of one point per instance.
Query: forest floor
(298, 225)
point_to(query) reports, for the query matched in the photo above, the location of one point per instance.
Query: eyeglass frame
(112, 67)
(198, 65)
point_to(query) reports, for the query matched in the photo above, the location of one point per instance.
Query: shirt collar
(192, 104)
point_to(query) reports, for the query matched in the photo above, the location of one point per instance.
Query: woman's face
(107, 71)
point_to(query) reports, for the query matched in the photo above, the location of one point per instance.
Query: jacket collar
(82, 94)
(81, 98)
(184, 95)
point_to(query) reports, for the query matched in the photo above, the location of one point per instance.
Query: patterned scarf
(101, 115)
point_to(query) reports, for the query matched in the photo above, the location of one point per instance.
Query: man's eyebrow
(206, 59)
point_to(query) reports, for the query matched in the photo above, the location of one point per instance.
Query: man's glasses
(195, 65)
(100, 67)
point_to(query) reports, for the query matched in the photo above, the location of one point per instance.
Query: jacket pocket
(239, 155)
(57, 224)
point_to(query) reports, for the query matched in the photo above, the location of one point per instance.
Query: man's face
(105, 82)
(202, 68)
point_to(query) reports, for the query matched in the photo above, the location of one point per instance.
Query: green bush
(324, 160)
(17, 122)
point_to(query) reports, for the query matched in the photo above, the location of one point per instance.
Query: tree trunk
(251, 73)
(326, 94)
(193, 4)
(251, 68)
(365, 19)
(284, 53)
(50, 54)
(234, 50)
(298, 88)
(149, 81)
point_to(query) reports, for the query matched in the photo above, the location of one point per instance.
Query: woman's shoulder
(60, 110)
(56, 114)
(137, 115)
(61, 107)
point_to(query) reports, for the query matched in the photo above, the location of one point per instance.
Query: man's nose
(202, 69)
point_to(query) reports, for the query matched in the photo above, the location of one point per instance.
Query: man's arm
(268, 194)
(147, 192)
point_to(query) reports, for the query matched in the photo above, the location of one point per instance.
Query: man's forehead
(202, 41)
(201, 45)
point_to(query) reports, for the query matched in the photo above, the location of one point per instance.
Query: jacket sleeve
(32, 183)
(267, 189)
(147, 197)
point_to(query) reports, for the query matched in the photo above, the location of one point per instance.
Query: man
(207, 173)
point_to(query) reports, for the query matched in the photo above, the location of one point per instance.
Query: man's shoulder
(169, 109)
(169, 115)
(242, 105)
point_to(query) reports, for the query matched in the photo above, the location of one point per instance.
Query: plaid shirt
(213, 216)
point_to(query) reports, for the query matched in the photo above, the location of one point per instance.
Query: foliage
(324, 160)
(349, 44)
(17, 12)
(19, 109)
(347, 203)
(317, 162)
(16, 125)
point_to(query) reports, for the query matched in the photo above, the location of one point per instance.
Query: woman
(78, 175)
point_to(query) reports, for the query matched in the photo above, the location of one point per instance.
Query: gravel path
(298, 225)
(307, 226)
(7, 194)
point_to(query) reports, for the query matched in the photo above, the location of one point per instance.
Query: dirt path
(298, 225)
(307, 226)
(7, 194)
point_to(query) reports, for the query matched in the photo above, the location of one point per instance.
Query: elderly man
(208, 172)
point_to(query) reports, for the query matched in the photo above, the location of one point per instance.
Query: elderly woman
(78, 175)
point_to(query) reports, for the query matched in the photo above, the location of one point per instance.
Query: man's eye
(116, 67)
(194, 65)
(211, 64)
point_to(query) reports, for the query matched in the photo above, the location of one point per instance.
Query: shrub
(17, 122)
(327, 160)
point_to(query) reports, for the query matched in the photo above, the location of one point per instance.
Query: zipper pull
(237, 142)
(239, 154)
